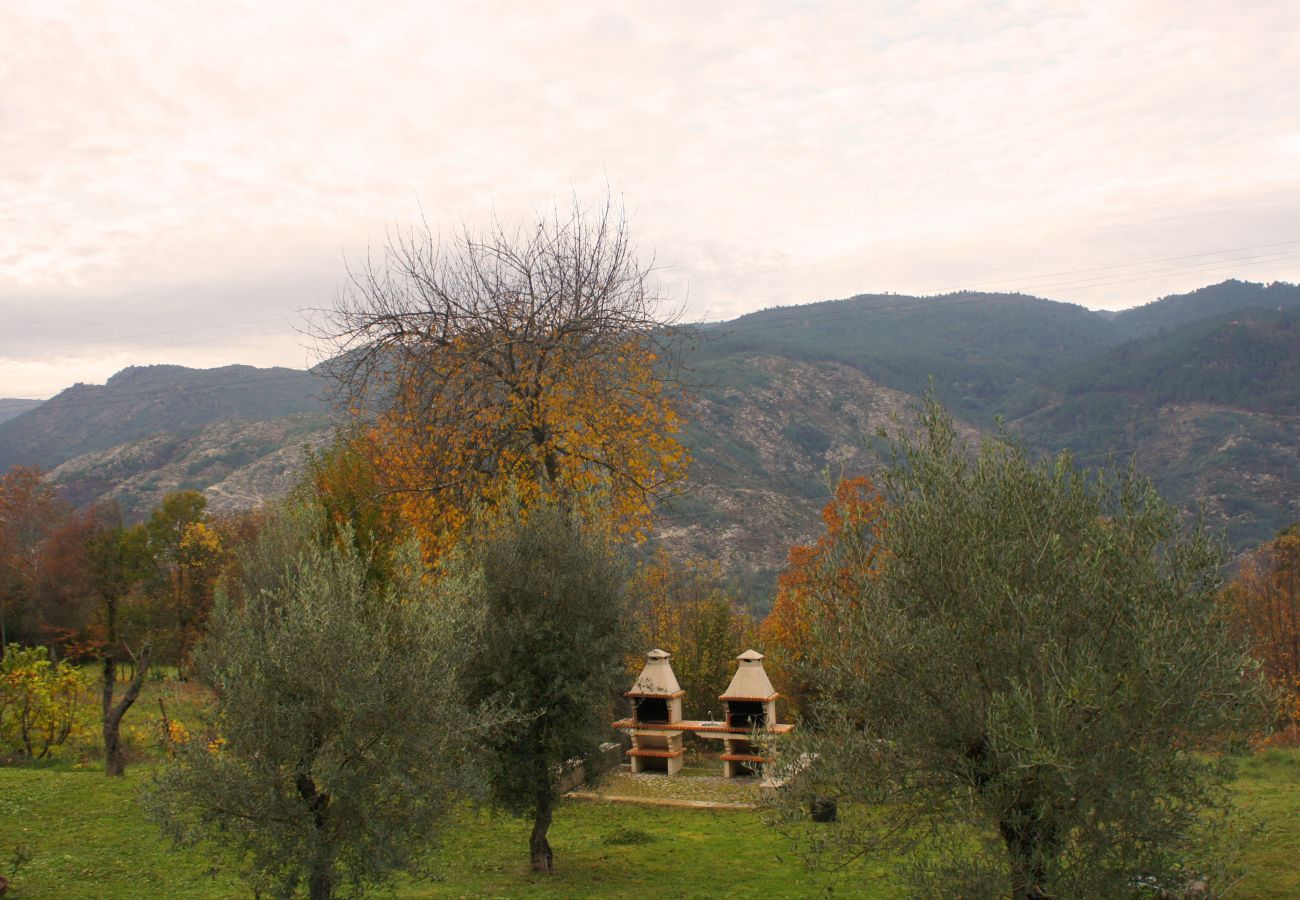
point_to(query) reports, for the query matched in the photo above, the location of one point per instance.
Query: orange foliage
(528, 419)
(820, 578)
(1265, 598)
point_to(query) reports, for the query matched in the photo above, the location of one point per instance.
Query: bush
(42, 703)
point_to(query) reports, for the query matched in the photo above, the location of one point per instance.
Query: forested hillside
(1208, 302)
(978, 348)
(1211, 411)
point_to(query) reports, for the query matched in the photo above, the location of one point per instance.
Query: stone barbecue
(656, 717)
(656, 725)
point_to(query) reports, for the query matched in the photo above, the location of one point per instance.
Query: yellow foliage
(42, 703)
(466, 430)
(200, 546)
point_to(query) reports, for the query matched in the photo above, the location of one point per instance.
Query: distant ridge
(15, 406)
(142, 400)
(1206, 303)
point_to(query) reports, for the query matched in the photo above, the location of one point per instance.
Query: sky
(180, 181)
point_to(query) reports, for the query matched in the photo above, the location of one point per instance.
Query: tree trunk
(1028, 842)
(114, 758)
(321, 880)
(823, 809)
(539, 847)
(321, 885)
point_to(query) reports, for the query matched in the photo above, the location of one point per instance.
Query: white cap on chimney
(657, 678)
(750, 681)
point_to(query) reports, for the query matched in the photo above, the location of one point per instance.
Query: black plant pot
(822, 809)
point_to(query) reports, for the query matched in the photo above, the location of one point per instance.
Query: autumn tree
(1034, 695)
(685, 607)
(343, 481)
(819, 579)
(61, 608)
(1265, 598)
(30, 511)
(533, 358)
(184, 558)
(114, 559)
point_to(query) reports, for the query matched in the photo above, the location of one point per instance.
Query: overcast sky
(179, 179)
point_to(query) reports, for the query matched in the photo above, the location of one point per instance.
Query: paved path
(660, 801)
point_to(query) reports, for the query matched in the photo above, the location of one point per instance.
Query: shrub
(42, 703)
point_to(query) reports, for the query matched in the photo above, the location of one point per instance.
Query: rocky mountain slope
(1203, 390)
(237, 464)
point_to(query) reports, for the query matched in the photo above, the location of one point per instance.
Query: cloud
(189, 160)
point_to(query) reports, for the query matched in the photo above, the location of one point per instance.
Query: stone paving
(695, 784)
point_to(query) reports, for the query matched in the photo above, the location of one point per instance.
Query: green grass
(1269, 787)
(87, 837)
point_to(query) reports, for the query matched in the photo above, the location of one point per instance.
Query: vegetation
(42, 703)
(819, 580)
(29, 512)
(549, 646)
(86, 836)
(1032, 682)
(338, 729)
(1265, 598)
(684, 607)
(512, 363)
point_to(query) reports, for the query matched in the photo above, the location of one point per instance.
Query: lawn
(87, 837)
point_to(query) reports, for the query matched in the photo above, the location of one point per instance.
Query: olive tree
(554, 629)
(1031, 696)
(339, 727)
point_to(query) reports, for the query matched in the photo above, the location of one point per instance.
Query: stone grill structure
(656, 725)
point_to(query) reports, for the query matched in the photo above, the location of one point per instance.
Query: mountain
(977, 347)
(236, 464)
(1210, 409)
(144, 400)
(14, 406)
(1207, 303)
(1202, 389)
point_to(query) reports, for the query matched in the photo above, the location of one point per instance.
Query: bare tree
(535, 354)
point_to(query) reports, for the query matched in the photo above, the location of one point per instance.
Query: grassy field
(87, 837)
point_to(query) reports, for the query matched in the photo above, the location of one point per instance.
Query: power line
(1035, 235)
(1143, 262)
(757, 322)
